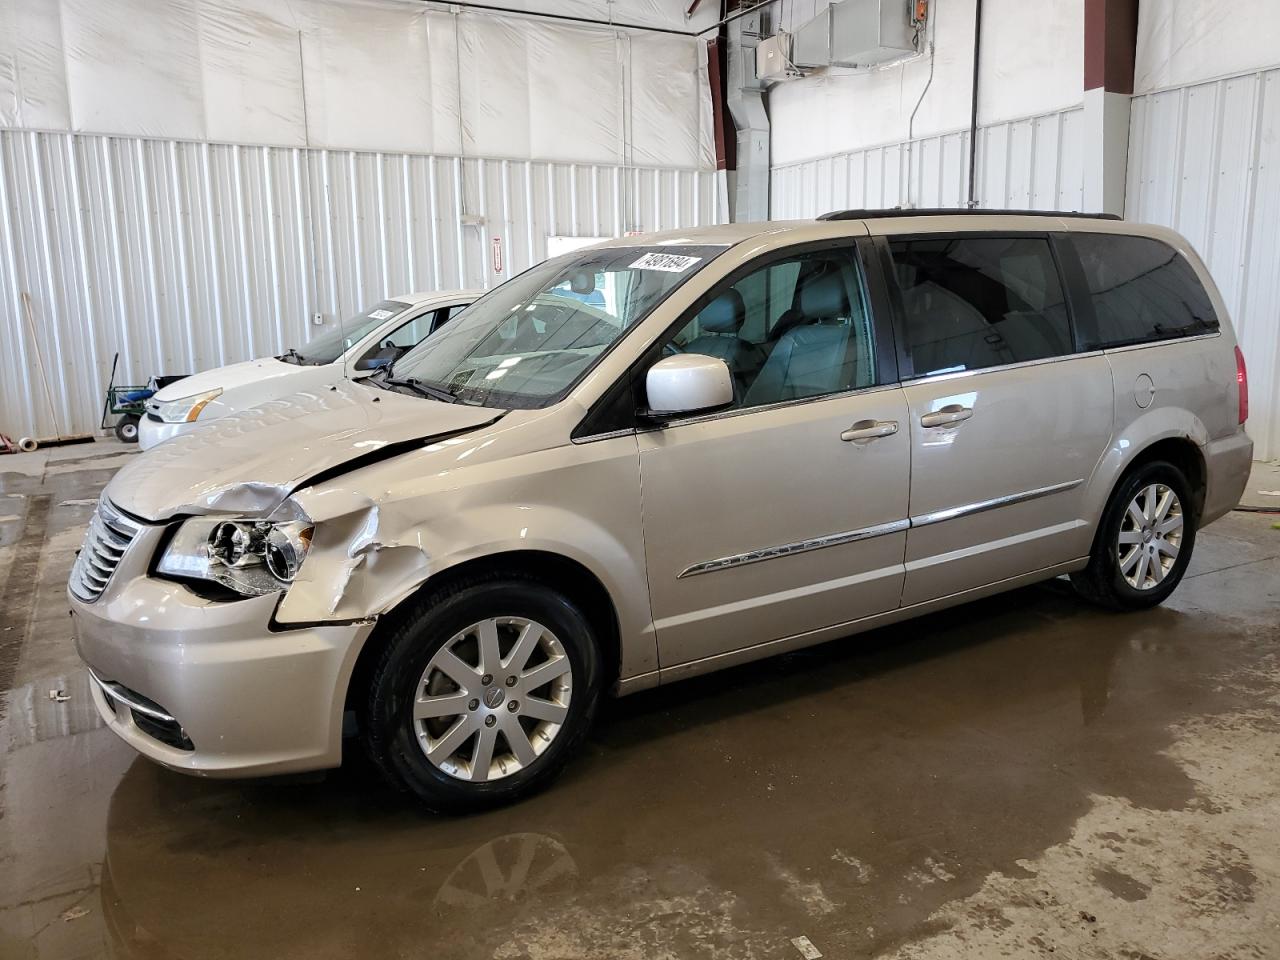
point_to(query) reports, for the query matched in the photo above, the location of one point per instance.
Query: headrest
(724, 314)
(824, 297)
(582, 282)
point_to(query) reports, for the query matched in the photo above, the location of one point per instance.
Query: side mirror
(688, 383)
(376, 360)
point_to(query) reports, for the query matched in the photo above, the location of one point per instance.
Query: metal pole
(973, 109)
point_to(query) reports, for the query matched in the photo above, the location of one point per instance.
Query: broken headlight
(251, 557)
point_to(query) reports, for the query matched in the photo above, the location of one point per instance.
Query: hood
(250, 461)
(232, 375)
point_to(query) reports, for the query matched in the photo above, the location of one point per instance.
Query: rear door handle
(948, 416)
(865, 430)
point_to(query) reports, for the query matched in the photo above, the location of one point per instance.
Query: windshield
(329, 346)
(528, 341)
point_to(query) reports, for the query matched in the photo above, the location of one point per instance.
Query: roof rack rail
(958, 211)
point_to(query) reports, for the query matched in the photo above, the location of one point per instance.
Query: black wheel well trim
(1182, 452)
(556, 570)
(1185, 454)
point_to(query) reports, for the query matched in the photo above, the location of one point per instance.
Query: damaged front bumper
(213, 688)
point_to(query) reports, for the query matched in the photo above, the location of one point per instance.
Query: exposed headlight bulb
(286, 546)
(231, 541)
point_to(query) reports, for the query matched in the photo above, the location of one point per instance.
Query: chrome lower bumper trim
(133, 701)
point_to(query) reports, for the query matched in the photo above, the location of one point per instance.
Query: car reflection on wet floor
(861, 794)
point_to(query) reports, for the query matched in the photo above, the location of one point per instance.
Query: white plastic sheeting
(184, 255)
(1032, 64)
(384, 75)
(1205, 160)
(1181, 42)
(1034, 164)
(666, 14)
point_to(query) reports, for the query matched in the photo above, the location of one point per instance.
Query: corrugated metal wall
(1035, 163)
(187, 255)
(1205, 160)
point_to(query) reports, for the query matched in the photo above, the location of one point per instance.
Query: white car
(362, 345)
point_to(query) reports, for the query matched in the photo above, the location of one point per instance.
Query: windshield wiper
(416, 385)
(292, 355)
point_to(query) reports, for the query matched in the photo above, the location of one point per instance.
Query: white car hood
(251, 461)
(230, 376)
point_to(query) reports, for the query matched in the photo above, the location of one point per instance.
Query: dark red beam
(1110, 44)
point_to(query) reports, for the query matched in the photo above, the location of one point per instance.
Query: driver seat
(721, 321)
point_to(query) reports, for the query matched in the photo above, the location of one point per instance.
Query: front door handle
(948, 416)
(865, 430)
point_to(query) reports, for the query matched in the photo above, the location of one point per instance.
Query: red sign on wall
(497, 254)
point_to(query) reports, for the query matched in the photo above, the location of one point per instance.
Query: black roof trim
(961, 211)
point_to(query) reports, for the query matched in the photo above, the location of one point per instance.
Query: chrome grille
(105, 542)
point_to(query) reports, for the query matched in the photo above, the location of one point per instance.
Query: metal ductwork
(847, 33)
(749, 187)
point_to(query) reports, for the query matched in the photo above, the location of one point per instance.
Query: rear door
(1008, 419)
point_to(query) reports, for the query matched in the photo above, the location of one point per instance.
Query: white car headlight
(184, 409)
(251, 557)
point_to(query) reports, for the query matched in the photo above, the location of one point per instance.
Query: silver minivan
(651, 459)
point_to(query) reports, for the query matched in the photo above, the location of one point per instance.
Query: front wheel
(482, 694)
(1144, 542)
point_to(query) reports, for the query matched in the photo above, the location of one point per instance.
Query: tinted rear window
(975, 302)
(1142, 290)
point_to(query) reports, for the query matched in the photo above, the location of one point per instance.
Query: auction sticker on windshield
(380, 314)
(668, 262)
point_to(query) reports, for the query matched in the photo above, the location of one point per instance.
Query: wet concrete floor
(1025, 776)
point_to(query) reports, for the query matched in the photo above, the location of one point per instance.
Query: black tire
(1102, 581)
(127, 429)
(390, 733)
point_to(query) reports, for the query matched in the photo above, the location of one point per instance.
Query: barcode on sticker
(669, 262)
(380, 314)
(806, 948)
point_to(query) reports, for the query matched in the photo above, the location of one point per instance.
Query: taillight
(1242, 382)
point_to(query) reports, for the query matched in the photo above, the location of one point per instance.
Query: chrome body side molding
(982, 506)
(866, 533)
(800, 546)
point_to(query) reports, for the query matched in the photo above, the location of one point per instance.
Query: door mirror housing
(378, 358)
(687, 383)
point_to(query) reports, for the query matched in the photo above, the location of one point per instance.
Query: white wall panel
(1034, 164)
(1032, 64)
(185, 255)
(1205, 160)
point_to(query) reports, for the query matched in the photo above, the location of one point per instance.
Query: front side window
(328, 347)
(528, 341)
(797, 328)
(976, 302)
(403, 338)
(1142, 290)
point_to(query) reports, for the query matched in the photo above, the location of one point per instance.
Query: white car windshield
(329, 346)
(526, 343)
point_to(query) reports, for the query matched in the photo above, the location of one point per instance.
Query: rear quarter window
(1142, 291)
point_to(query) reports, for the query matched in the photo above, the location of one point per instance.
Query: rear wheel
(483, 693)
(127, 429)
(1144, 543)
